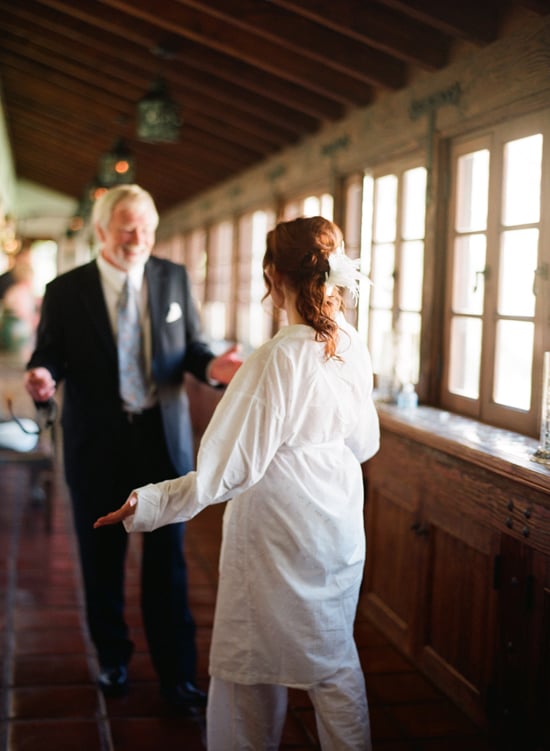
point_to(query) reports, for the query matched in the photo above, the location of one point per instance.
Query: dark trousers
(140, 457)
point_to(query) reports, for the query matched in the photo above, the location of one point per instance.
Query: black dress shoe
(184, 696)
(113, 681)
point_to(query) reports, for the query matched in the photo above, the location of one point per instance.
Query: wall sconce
(117, 165)
(158, 118)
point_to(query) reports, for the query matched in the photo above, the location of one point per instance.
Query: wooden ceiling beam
(129, 91)
(537, 6)
(77, 17)
(110, 122)
(86, 168)
(252, 76)
(162, 190)
(405, 39)
(163, 165)
(219, 142)
(303, 37)
(193, 157)
(206, 150)
(99, 57)
(469, 20)
(261, 53)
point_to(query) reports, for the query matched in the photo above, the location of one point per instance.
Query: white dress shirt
(112, 282)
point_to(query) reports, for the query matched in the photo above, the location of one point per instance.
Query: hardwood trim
(503, 452)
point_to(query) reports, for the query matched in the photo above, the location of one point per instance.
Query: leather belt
(134, 418)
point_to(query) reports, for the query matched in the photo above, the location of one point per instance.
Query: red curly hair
(298, 250)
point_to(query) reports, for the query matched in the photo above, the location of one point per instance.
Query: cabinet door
(396, 556)
(458, 635)
(521, 708)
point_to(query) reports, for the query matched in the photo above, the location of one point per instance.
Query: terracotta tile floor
(48, 699)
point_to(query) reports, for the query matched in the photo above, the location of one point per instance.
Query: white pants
(251, 718)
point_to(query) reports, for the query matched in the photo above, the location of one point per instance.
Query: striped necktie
(131, 363)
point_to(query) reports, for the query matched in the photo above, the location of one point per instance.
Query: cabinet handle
(421, 530)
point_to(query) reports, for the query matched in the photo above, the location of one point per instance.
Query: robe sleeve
(246, 430)
(364, 439)
(364, 442)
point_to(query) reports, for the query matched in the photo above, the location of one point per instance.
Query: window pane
(312, 206)
(472, 191)
(253, 325)
(327, 206)
(195, 260)
(408, 344)
(381, 341)
(262, 221)
(468, 276)
(44, 263)
(366, 223)
(385, 213)
(382, 349)
(352, 220)
(414, 203)
(522, 169)
(513, 359)
(292, 211)
(518, 261)
(214, 319)
(363, 322)
(382, 276)
(410, 288)
(465, 357)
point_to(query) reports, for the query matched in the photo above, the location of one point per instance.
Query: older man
(126, 422)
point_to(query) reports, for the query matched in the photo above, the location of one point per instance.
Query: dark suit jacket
(76, 343)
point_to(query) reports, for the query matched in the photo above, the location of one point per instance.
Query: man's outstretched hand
(224, 367)
(115, 517)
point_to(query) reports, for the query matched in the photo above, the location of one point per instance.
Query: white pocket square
(174, 312)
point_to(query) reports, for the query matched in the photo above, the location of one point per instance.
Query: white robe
(285, 444)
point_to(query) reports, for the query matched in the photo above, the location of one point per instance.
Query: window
(351, 227)
(254, 316)
(218, 308)
(195, 262)
(496, 290)
(315, 204)
(392, 253)
(44, 262)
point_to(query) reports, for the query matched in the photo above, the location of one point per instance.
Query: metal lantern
(117, 165)
(158, 118)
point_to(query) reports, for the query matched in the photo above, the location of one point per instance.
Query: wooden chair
(40, 461)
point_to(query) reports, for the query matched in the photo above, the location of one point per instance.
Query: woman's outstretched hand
(126, 510)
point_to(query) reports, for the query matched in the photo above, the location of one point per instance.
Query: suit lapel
(154, 277)
(94, 301)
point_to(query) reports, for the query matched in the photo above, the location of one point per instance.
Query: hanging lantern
(158, 118)
(117, 165)
(92, 191)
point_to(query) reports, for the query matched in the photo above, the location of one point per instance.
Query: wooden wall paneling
(458, 576)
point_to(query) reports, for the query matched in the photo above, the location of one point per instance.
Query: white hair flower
(344, 272)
